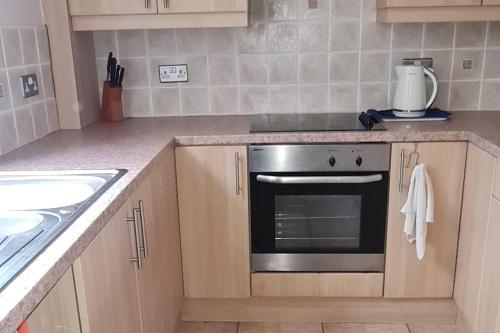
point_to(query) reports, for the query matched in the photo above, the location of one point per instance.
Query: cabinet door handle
(144, 247)
(137, 259)
(401, 170)
(165, 4)
(237, 171)
(146, 3)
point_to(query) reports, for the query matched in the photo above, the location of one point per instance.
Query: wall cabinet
(129, 278)
(111, 7)
(404, 11)
(58, 312)
(157, 14)
(432, 277)
(214, 224)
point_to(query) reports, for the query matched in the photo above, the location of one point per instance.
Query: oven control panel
(319, 158)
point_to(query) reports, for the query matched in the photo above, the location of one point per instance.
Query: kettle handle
(430, 73)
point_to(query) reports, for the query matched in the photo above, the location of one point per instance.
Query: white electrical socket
(173, 73)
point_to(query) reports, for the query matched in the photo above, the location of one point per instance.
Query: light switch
(29, 85)
(173, 73)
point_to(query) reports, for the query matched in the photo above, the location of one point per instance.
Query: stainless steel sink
(35, 207)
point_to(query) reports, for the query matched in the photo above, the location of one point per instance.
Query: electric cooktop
(310, 123)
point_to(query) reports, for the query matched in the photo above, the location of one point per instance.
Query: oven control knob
(359, 161)
(332, 161)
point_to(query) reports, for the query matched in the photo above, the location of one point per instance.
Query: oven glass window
(326, 222)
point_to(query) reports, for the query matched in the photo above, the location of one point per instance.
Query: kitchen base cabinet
(129, 279)
(214, 223)
(432, 277)
(58, 312)
(317, 284)
(474, 227)
(106, 280)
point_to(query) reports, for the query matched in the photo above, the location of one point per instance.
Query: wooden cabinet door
(205, 6)
(112, 7)
(58, 312)
(106, 280)
(478, 185)
(160, 279)
(489, 293)
(213, 210)
(405, 275)
(427, 3)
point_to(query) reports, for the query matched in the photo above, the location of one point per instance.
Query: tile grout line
(148, 67)
(360, 44)
(452, 65)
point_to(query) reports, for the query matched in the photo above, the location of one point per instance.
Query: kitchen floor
(217, 327)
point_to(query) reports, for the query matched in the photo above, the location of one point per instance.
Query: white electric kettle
(410, 97)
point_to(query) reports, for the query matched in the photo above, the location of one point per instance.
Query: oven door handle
(319, 179)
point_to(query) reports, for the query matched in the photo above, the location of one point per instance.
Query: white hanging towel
(419, 208)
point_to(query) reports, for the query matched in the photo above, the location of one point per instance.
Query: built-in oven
(318, 208)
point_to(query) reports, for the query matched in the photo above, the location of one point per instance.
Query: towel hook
(413, 153)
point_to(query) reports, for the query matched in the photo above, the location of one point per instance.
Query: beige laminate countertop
(134, 145)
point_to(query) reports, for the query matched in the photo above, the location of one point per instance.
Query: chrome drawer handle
(137, 259)
(237, 161)
(144, 247)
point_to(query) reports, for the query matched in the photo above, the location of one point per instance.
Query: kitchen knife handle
(120, 80)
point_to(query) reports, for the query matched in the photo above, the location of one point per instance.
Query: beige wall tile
(345, 36)
(345, 9)
(43, 45)
(253, 69)
(283, 99)
(475, 73)
(166, 102)
(2, 59)
(374, 66)
(375, 36)
(490, 96)
(282, 37)
(48, 81)
(191, 41)
(8, 135)
(252, 39)
(438, 35)
(15, 86)
(494, 34)
(131, 43)
(313, 99)
(344, 67)
(39, 120)
(442, 62)
(24, 125)
(258, 10)
(105, 42)
(279, 10)
(224, 100)
(283, 68)
(373, 96)
(221, 41)
(253, 99)
(136, 70)
(161, 42)
(194, 101)
(52, 118)
(464, 95)
(5, 100)
(407, 36)
(28, 43)
(344, 98)
(312, 68)
(12, 47)
(492, 65)
(313, 36)
(222, 70)
(470, 34)
(136, 103)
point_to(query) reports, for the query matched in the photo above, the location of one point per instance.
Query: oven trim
(317, 262)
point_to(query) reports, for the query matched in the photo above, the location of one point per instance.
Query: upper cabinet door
(205, 6)
(214, 224)
(428, 3)
(405, 275)
(112, 7)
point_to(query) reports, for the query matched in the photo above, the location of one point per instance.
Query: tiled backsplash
(294, 59)
(25, 50)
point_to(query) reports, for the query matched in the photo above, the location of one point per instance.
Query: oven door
(318, 221)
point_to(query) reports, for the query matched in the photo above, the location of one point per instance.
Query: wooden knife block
(112, 106)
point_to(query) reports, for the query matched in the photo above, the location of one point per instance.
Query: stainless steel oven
(319, 208)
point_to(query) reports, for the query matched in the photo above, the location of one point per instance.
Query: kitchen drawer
(317, 284)
(496, 181)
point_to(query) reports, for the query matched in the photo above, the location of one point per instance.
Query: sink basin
(46, 190)
(36, 207)
(12, 223)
